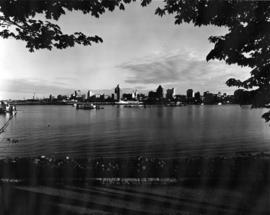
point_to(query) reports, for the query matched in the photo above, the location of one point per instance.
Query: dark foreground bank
(211, 170)
(142, 185)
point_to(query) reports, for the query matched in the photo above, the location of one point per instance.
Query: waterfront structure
(89, 94)
(112, 97)
(170, 93)
(127, 96)
(181, 98)
(209, 98)
(77, 93)
(159, 92)
(117, 91)
(141, 96)
(134, 95)
(51, 98)
(83, 97)
(189, 93)
(102, 97)
(154, 97)
(197, 97)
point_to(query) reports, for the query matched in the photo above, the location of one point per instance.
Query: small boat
(88, 106)
(85, 106)
(121, 102)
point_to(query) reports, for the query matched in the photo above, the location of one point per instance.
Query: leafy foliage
(17, 20)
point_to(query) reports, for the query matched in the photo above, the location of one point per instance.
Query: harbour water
(168, 132)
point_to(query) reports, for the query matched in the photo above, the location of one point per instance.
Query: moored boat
(88, 106)
(121, 102)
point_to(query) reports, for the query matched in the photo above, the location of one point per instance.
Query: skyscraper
(112, 96)
(77, 93)
(117, 92)
(189, 93)
(170, 93)
(89, 94)
(197, 97)
(159, 92)
(134, 95)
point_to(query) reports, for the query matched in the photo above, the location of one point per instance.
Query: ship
(87, 106)
(134, 106)
(121, 102)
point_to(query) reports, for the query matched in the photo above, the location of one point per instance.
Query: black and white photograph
(134, 107)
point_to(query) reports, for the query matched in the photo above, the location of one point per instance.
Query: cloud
(152, 71)
(42, 87)
(181, 69)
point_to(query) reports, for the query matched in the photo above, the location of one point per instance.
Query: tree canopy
(247, 42)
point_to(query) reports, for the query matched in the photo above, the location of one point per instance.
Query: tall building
(127, 96)
(77, 93)
(170, 93)
(51, 97)
(89, 94)
(197, 97)
(117, 92)
(83, 96)
(102, 97)
(205, 93)
(152, 94)
(159, 92)
(189, 93)
(134, 95)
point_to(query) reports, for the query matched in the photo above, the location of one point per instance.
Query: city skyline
(108, 92)
(159, 96)
(152, 50)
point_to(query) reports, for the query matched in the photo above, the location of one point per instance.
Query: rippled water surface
(123, 132)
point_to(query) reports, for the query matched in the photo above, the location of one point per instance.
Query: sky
(140, 51)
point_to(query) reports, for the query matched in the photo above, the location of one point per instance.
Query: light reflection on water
(122, 132)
